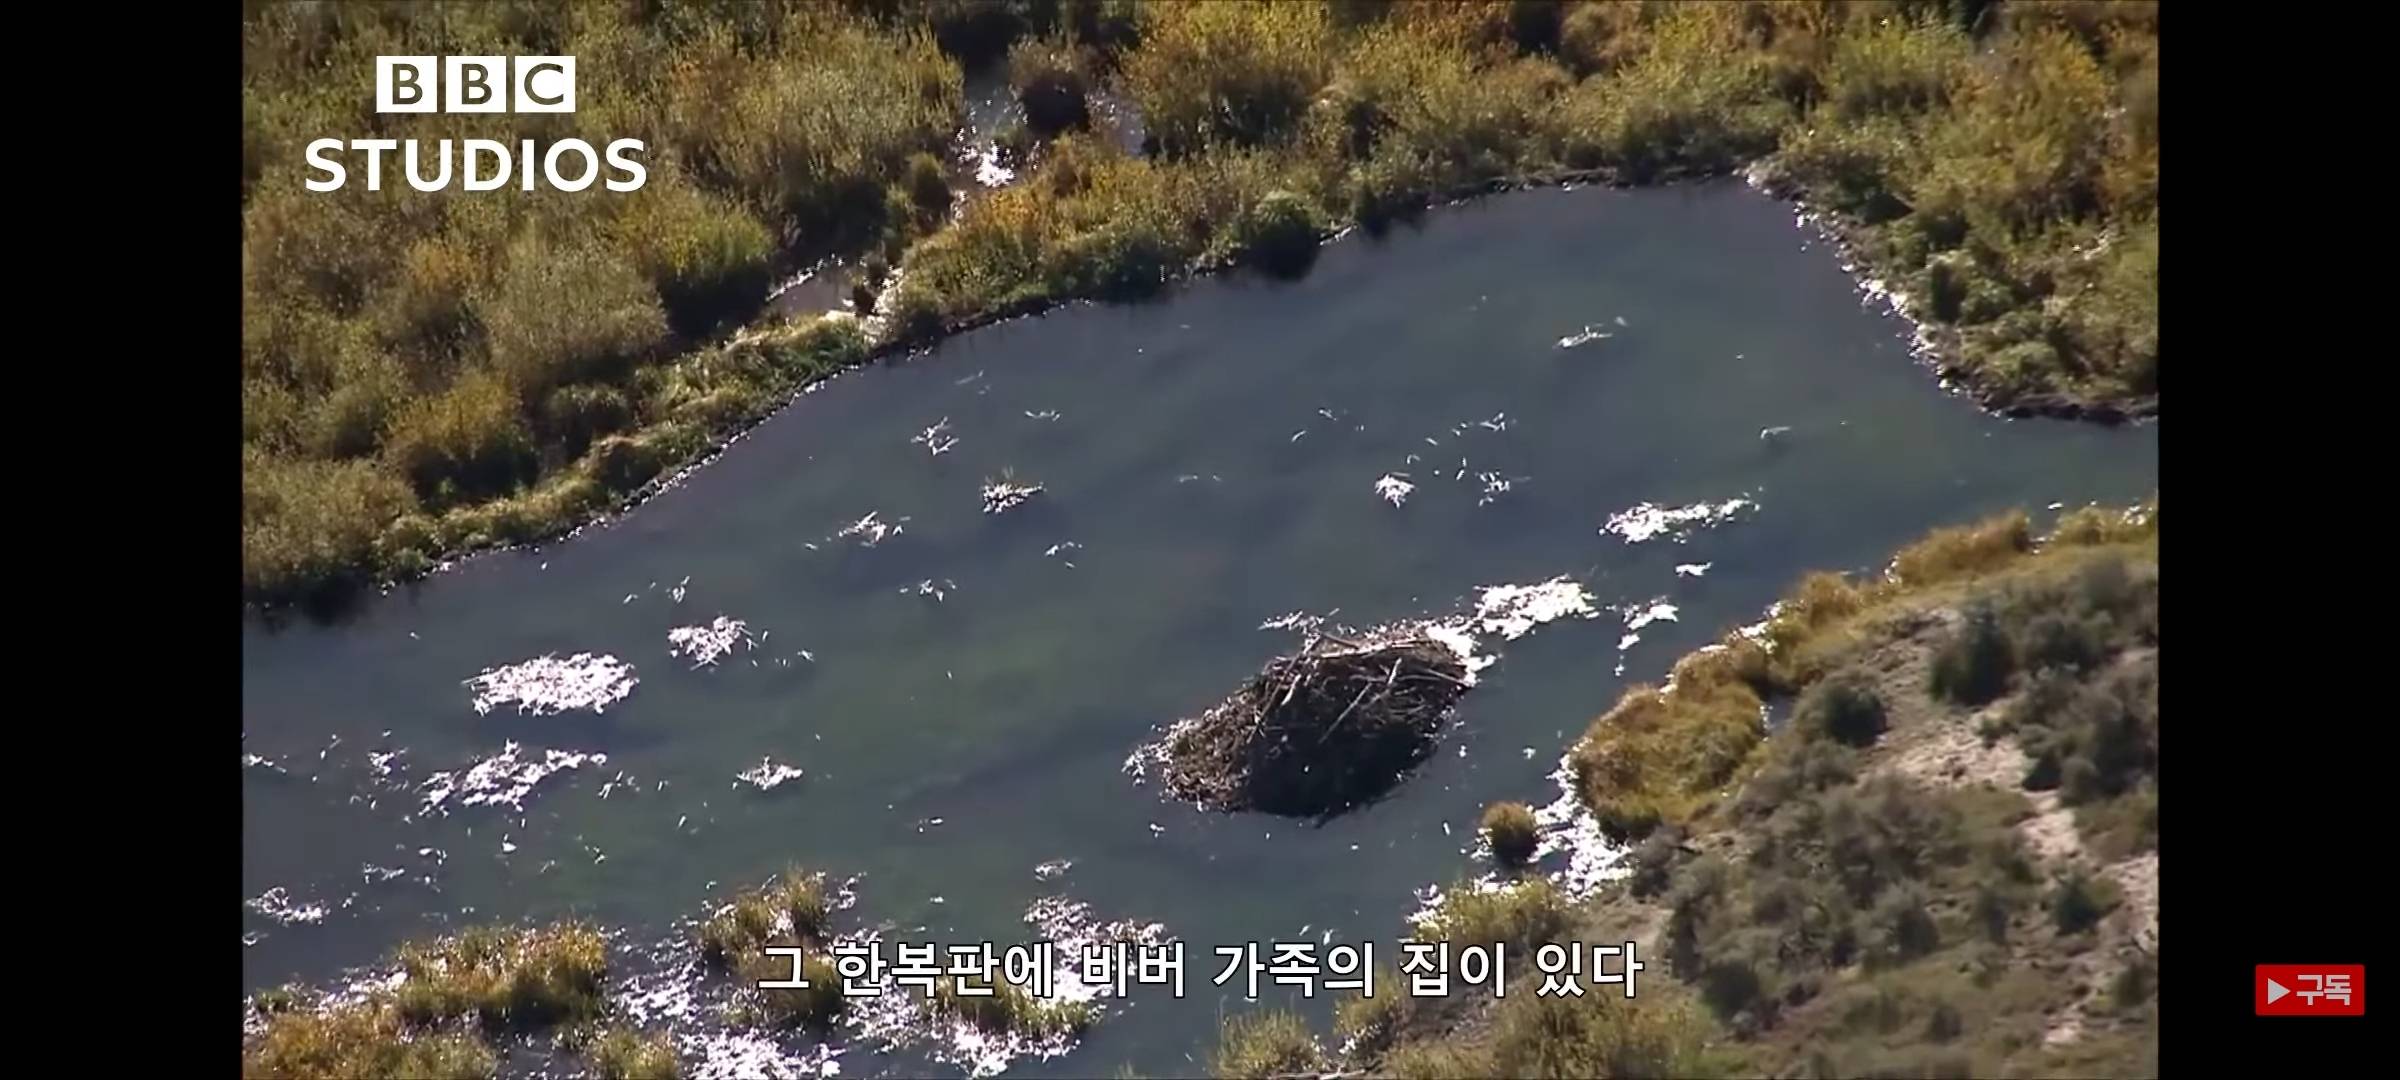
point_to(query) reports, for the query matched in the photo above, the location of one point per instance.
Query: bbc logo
(475, 84)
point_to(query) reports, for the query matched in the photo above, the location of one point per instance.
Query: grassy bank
(431, 373)
(1943, 864)
(459, 999)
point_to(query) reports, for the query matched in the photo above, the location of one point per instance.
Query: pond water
(974, 682)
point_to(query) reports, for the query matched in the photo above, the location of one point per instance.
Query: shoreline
(1935, 347)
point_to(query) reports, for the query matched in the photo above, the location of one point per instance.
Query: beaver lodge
(1334, 725)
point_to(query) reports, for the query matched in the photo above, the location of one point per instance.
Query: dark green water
(1007, 708)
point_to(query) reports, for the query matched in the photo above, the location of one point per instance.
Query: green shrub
(2078, 901)
(468, 443)
(307, 525)
(1238, 73)
(624, 464)
(573, 416)
(928, 188)
(1974, 664)
(1901, 927)
(1654, 860)
(1692, 102)
(1599, 35)
(1893, 66)
(1269, 1043)
(1279, 235)
(367, 389)
(1993, 907)
(1797, 769)
(1844, 708)
(709, 260)
(558, 316)
(1512, 831)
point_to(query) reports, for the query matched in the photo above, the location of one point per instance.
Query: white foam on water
(1494, 486)
(705, 645)
(936, 438)
(1692, 569)
(1293, 620)
(1583, 337)
(901, 1016)
(744, 1055)
(504, 779)
(767, 775)
(1512, 611)
(1000, 496)
(1571, 834)
(1649, 521)
(1071, 926)
(277, 904)
(871, 529)
(381, 765)
(1639, 616)
(1459, 638)
(1052, 870)
(549, 684)
(989, 171)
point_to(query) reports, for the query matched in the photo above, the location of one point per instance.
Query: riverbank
(1940, 861)
(414, 392)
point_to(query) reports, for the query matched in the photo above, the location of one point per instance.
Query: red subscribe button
(2310, 990)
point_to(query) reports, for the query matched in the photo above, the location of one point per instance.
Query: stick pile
(1320, 731)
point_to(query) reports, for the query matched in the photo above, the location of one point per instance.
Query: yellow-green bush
(1661, 755)
(1520, 915)
(1271, 1043)
(506, 978)
(622, 1054)
(1238, 73)
(360, 1042)
(1512, 831)
(306, 524)
(429, 332)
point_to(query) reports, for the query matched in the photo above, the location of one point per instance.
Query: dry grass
(1666, 755)
(360, 1042)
